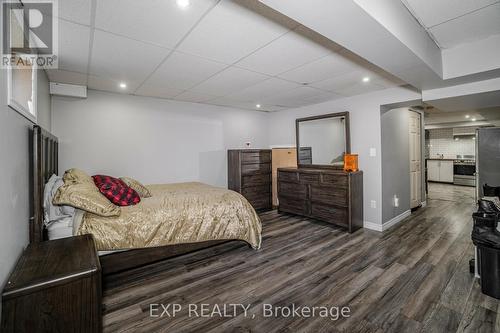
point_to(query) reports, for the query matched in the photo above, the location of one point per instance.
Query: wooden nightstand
(55, 287)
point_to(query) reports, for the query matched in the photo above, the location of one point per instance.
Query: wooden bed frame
(44, 163)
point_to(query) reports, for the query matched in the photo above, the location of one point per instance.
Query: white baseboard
(395, 220)
(392, 222)
(372, 226)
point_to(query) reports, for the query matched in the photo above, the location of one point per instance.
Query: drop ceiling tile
(229, 32)
(73, 46)
(124, 59)
(161, 22)
(228, 81)
(358, 89)
(321, 69)
(191, 96)
(112, 85)
(474, 26)
(223, 101)
(386, 80)
(324, 96)
(183, 71)
(158, 90)
(60, 76)
(439, 11)
(263, 89)
(273, 108)
(344, 80)
(283, 54)
(77, 11)
(294, 98)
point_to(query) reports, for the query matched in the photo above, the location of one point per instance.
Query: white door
(415, 160)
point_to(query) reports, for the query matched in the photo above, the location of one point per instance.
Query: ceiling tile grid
(74, 41)
(451, 22)
(221, 52)
(228, 81)
(122, 58)
(474, 26)
(159, 22)
(184, 71)
(283, 54)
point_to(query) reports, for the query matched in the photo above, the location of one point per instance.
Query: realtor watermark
(29, 34)
(232, 310)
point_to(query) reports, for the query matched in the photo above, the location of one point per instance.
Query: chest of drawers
(328, 195)
(249, 173)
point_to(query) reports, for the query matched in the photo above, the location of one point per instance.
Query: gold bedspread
(175, 214)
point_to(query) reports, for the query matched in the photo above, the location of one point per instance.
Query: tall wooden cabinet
(329, 195)
(249, 173)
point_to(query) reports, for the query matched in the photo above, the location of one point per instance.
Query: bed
(177, 219)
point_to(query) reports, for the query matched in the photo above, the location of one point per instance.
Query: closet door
(415, 159)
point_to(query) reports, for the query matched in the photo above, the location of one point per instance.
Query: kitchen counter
(440, 159)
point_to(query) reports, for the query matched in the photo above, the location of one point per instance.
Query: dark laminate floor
(412, 278)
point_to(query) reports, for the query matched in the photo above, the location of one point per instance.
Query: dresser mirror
(323, 140)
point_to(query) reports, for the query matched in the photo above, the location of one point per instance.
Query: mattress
(67, 228)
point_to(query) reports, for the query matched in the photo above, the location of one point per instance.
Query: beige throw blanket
(176, 214)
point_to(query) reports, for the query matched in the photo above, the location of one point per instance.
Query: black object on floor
(472, 266)
(487, 239)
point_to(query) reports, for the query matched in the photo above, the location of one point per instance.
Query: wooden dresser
(55, 287)
(249, 173)
(328, 195)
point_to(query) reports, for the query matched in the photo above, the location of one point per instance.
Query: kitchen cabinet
(446, 172)
(440, 171)
(433, 171)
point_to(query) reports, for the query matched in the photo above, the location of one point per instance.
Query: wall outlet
(396, 201)
(373, 204)
(373, 152)
(248, 144)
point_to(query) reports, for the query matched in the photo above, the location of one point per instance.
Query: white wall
(395, 162)
(14, 174)
(441, 141)
(153, 140)
(365, 134)
(162, 141)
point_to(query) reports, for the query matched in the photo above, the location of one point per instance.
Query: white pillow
(53, 213)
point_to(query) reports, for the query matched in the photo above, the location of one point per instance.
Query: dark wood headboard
(44, 163)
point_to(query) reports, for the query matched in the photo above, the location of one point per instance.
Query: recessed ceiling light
(123, 85)
(183, 3)
(366, 79)
(473, 119)
(467, 116)
(257, 106)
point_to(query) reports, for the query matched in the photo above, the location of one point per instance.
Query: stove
(464, 170)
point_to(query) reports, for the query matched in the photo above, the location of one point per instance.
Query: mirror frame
(324, 116)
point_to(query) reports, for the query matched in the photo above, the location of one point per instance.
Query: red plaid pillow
(116, 190)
